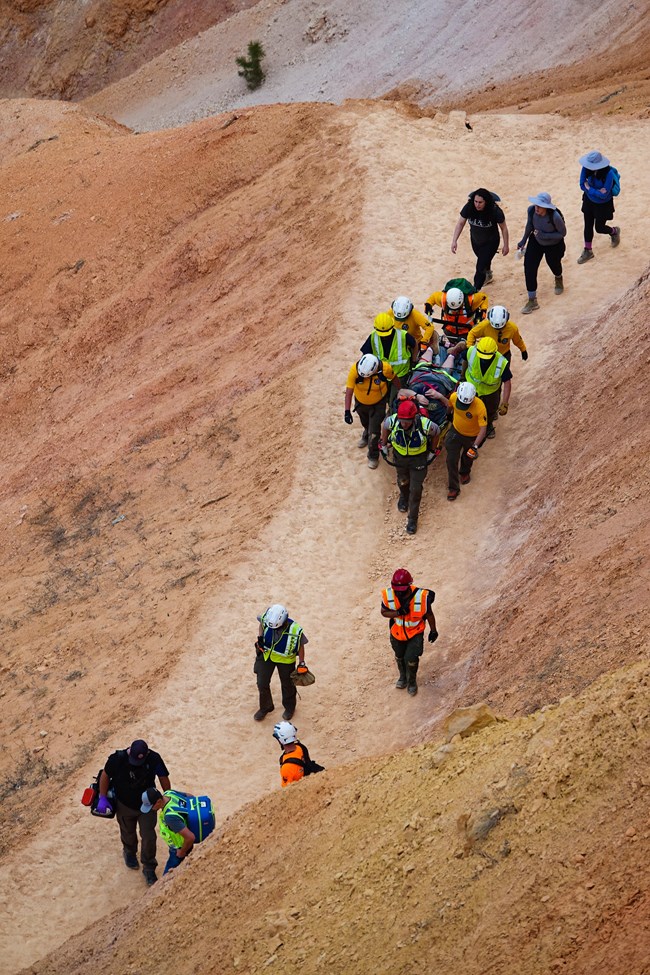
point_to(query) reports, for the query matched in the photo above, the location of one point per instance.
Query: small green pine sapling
(250, 68)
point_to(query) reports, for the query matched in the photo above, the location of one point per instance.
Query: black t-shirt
(386, 342)
(483, 224)
(130, 781)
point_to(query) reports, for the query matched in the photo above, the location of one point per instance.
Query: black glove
(428, 309)
(433, 636)
(348, 417)
(524, 356)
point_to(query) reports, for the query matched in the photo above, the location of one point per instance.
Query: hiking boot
(559, 285)
(262, 713)
(465, 478)
(452, 494)
(489, 277)
(363, 439)
(411, 526)
(400, 683)
(149, 876)
(587, 255)
(287, 714)
(402, 504)
(373, 463)
(131, 860)
(491, 432)
(412, 688)
(530, 306)
(615, 239)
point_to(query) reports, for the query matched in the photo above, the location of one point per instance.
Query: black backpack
(306, 762)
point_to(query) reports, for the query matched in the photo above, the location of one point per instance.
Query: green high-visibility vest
(413, 440)
(178, 806)
(281, 651)
(399, 355)
(485, 382)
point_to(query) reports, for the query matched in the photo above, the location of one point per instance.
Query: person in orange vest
(409, 609)
(295, 762)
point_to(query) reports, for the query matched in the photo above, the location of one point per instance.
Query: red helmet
(402, 579)
(407, 410)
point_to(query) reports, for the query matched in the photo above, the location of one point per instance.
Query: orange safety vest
(295, 760)
(413, 622)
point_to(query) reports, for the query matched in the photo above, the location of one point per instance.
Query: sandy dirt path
(333, 547)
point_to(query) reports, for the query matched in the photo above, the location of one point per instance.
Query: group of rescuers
(413, 388)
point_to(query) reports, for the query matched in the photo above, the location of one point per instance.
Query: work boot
(400, 683)
(288, 713)
(373, 463)
(531, 305)
(363, 439)
(411, 680)
(403, 503)
(491, 432)
(559, 284)
(149, 876)
(489, 277)
(615, 239)
(131, 860)
(587, 255)
(411, 526)
(262, 713)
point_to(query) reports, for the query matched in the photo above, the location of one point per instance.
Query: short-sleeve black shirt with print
(130, 781)
(483, 225)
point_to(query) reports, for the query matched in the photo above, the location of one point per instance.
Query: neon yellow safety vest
(178, 806)
(282, 652)
(485, 382)
(399, 355)
(411, 441)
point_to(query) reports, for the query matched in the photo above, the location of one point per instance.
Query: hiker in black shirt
(130, 772)
(485, 220)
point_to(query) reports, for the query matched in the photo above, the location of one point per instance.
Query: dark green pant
(411, 472)
(408, 653)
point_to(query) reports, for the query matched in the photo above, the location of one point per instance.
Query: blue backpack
(616, 185)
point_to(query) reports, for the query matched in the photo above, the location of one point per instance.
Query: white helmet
(402, 308)
(498, 316)
(275, 616)
(285, 733)
(368, 365)
(465, 393)
(455, 299)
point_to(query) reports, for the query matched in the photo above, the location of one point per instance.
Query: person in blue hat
(600, 183)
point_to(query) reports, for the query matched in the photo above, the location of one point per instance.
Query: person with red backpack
(600, 182)
(409, 609)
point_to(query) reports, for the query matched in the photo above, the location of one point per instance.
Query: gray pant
(128, 820)
(371, 417)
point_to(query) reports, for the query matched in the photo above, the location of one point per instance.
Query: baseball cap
(149, 798)
(138, 752)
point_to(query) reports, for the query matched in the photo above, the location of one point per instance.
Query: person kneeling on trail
(295, 762)
(411, 436)
(369, 380)
(499, 327)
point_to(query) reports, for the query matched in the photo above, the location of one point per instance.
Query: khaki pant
(128, 820)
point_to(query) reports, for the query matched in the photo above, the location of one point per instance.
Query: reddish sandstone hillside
(59, 49)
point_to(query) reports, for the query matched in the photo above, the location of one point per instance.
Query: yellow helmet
(384, 323)
(486, 347)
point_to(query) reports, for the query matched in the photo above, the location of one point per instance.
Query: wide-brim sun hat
(594, 160)
(543, 200)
